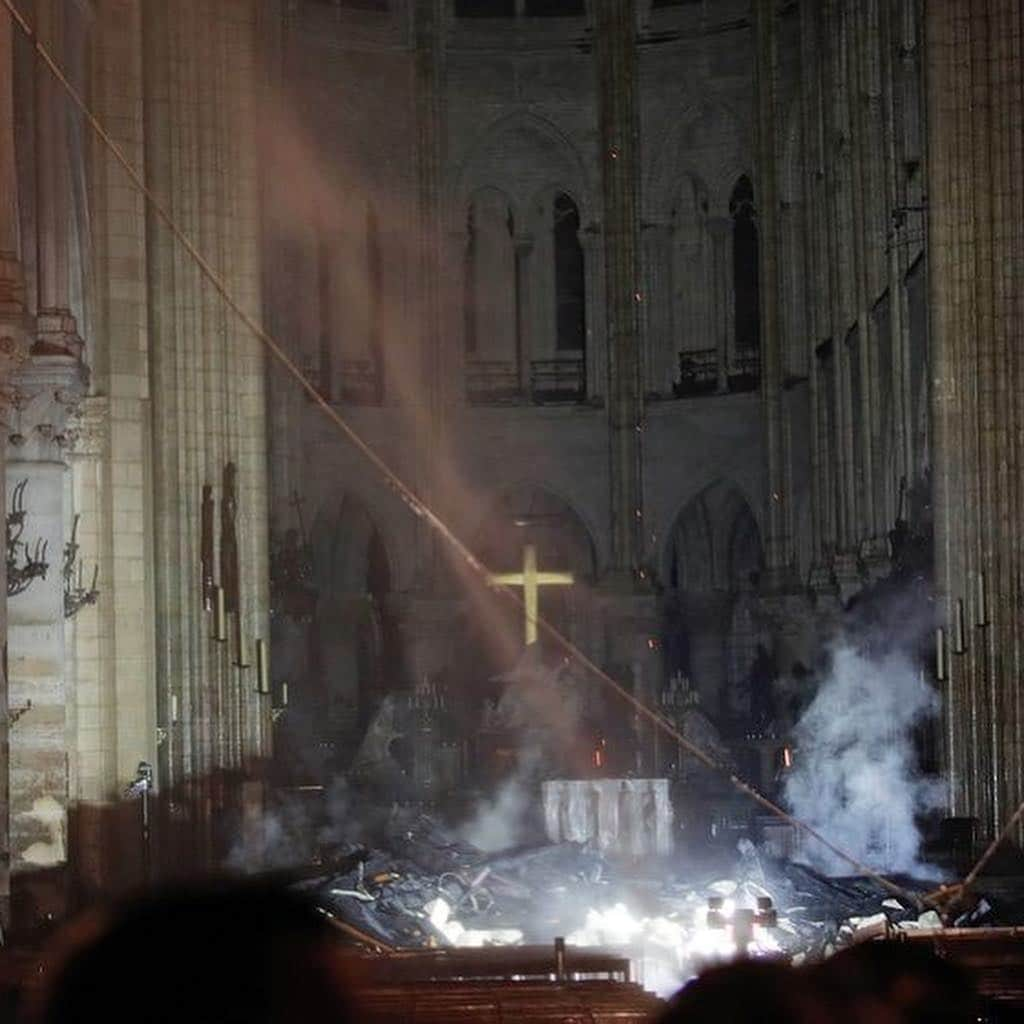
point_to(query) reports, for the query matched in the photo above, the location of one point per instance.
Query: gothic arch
(522, 154)
(714, 540)
(713, 555)
(541, 499)
(708, 143)
(355, 644)
(342, 527)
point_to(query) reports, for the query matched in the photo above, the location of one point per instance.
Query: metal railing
(699, 373)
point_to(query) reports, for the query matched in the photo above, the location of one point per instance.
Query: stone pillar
(657, 308)
(975, 240)
(524, 249)
(440, 357)
(720, 231)
(593, 284)
(778, 532)
(45, 389)
(56, 331)
(13, 342)
(12, 293)
(615, 51)
(200, 390)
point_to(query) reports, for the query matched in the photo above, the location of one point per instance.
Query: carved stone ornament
(45, 392)
(86, 432)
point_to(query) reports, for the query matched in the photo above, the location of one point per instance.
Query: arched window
(569, 277)
(746, 285)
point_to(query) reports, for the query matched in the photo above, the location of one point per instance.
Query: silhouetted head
(750, 990)
(228, 953)
(904, 981)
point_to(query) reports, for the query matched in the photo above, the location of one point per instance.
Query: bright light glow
(439, 914)
(666, 950)
(669, 950)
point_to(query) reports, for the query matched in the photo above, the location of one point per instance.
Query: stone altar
(628, 817)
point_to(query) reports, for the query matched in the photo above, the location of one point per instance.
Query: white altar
(628, 817)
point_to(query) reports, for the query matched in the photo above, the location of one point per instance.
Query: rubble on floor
(429, 889)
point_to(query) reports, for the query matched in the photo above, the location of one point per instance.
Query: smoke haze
(854, 778)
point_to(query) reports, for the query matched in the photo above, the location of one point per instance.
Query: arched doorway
(709, 633)
(353, 642)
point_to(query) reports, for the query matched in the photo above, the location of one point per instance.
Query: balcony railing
(558, 380)
(699, 373)
(492, 382)
(745, 372)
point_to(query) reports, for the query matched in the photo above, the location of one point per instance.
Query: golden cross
(531, 581)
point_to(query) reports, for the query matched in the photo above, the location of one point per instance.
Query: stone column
(523, 249)
(12, 293)
(13, 342)
(440, 359)
(45, 390)
(720, 231)
(56, 331)
(975, 241)
(657, 308)
(615, 51)
(593, 281)
(778, 553)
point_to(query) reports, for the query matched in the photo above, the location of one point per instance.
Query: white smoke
(499, 824)
(854, 777)
(503, 822)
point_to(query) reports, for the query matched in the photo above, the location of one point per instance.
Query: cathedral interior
(413, 401)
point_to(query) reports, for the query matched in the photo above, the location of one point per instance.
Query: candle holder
(33, 556)
(981, 603)
(959, 631)
(262, 667)
(241, 648)
(76, 594)
(280, 709)
(220, 623)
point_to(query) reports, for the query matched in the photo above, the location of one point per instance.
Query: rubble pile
(431, 889)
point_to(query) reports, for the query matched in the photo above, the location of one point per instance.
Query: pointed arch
(520, 154)
(714, 542)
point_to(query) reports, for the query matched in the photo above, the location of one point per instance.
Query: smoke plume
(854, 778)
(502, 823)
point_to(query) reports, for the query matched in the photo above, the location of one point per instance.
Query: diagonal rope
(406, 493)
(992, 847)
